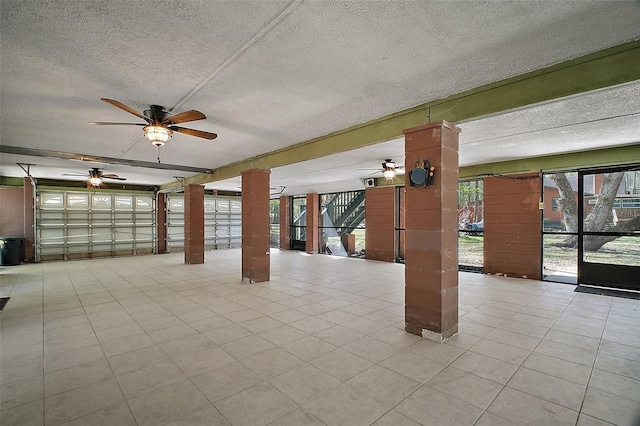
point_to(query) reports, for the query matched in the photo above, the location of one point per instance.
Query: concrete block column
(255, 226)
(380, 229)
(313, 223)
(194, 224)
(29, 221)
(285, 222)
(431, 253)
(161, 223)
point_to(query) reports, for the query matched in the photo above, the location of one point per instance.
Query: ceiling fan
(389, 169)
(95, 177)
(160, 124)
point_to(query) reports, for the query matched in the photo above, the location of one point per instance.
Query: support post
(194, 224)
(431, 254)
(255, 226)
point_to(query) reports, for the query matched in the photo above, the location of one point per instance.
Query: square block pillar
(313, 223)
(29, 221)
(194, 224)
(161, 225)
(431, 223)
(285, 223)
(256, 265)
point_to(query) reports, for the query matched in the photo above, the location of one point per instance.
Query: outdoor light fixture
(157, 135)
(422, 175)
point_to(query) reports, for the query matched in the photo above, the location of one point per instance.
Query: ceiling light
(157, 135)
(389, 174)
(95, 181)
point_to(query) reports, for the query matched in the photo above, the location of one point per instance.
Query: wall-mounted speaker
(369, 183)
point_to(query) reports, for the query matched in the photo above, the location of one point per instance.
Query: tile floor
(151, 341)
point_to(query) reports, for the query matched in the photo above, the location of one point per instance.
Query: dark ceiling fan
(389, 169)
(160, 125)
(95, 177)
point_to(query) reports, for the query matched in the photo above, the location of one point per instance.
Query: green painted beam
(575, 160)
(609, 67)
(11, 181)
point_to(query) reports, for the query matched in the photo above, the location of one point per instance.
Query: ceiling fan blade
(193, 132)
(125, 108)
(114, 177)
(74, 174)
(183, 117)
(107, 123)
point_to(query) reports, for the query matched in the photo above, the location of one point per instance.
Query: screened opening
(342, 223)
(471, 225)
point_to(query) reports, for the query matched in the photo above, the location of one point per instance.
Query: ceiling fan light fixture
(95, 181)
(389, 174)
(157, 135)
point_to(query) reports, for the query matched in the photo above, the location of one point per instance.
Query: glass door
(299, 223)
(608, 237)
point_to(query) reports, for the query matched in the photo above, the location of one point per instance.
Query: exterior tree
(599, 218)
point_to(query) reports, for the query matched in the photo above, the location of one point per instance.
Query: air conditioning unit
(369, 183)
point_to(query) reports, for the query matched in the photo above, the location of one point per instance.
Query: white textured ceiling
(270, 74)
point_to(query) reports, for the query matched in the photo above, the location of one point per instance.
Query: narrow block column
(193, 224)
(255, 226)
(431, 253)
(29, 221)
(285, 223)
(380, 230)
(161, 223)
(512, 224)
(313, 223)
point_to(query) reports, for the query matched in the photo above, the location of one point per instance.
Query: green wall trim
(11, 181)
(605, 68)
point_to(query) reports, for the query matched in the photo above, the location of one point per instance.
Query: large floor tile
(615, 384)
(466, 387)
(207, 416)
(136, 360)
(232, 378)
(299, 417)
(167, 404)
(30, 414)
(75, 377)
(344, 405)
(70, 405)
(150, 378)
(610, 408)
(549, 388)
(21, 392)
(413, 365)
(562, 369)
(309, 348)
(393, 418)
(383, 385)
(256, 406)
(523, 409)
(341, 364)
(118, 414)
(303, 384)
(431, 407)
(197, 362)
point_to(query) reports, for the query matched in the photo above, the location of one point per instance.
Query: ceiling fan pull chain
(158, 154)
